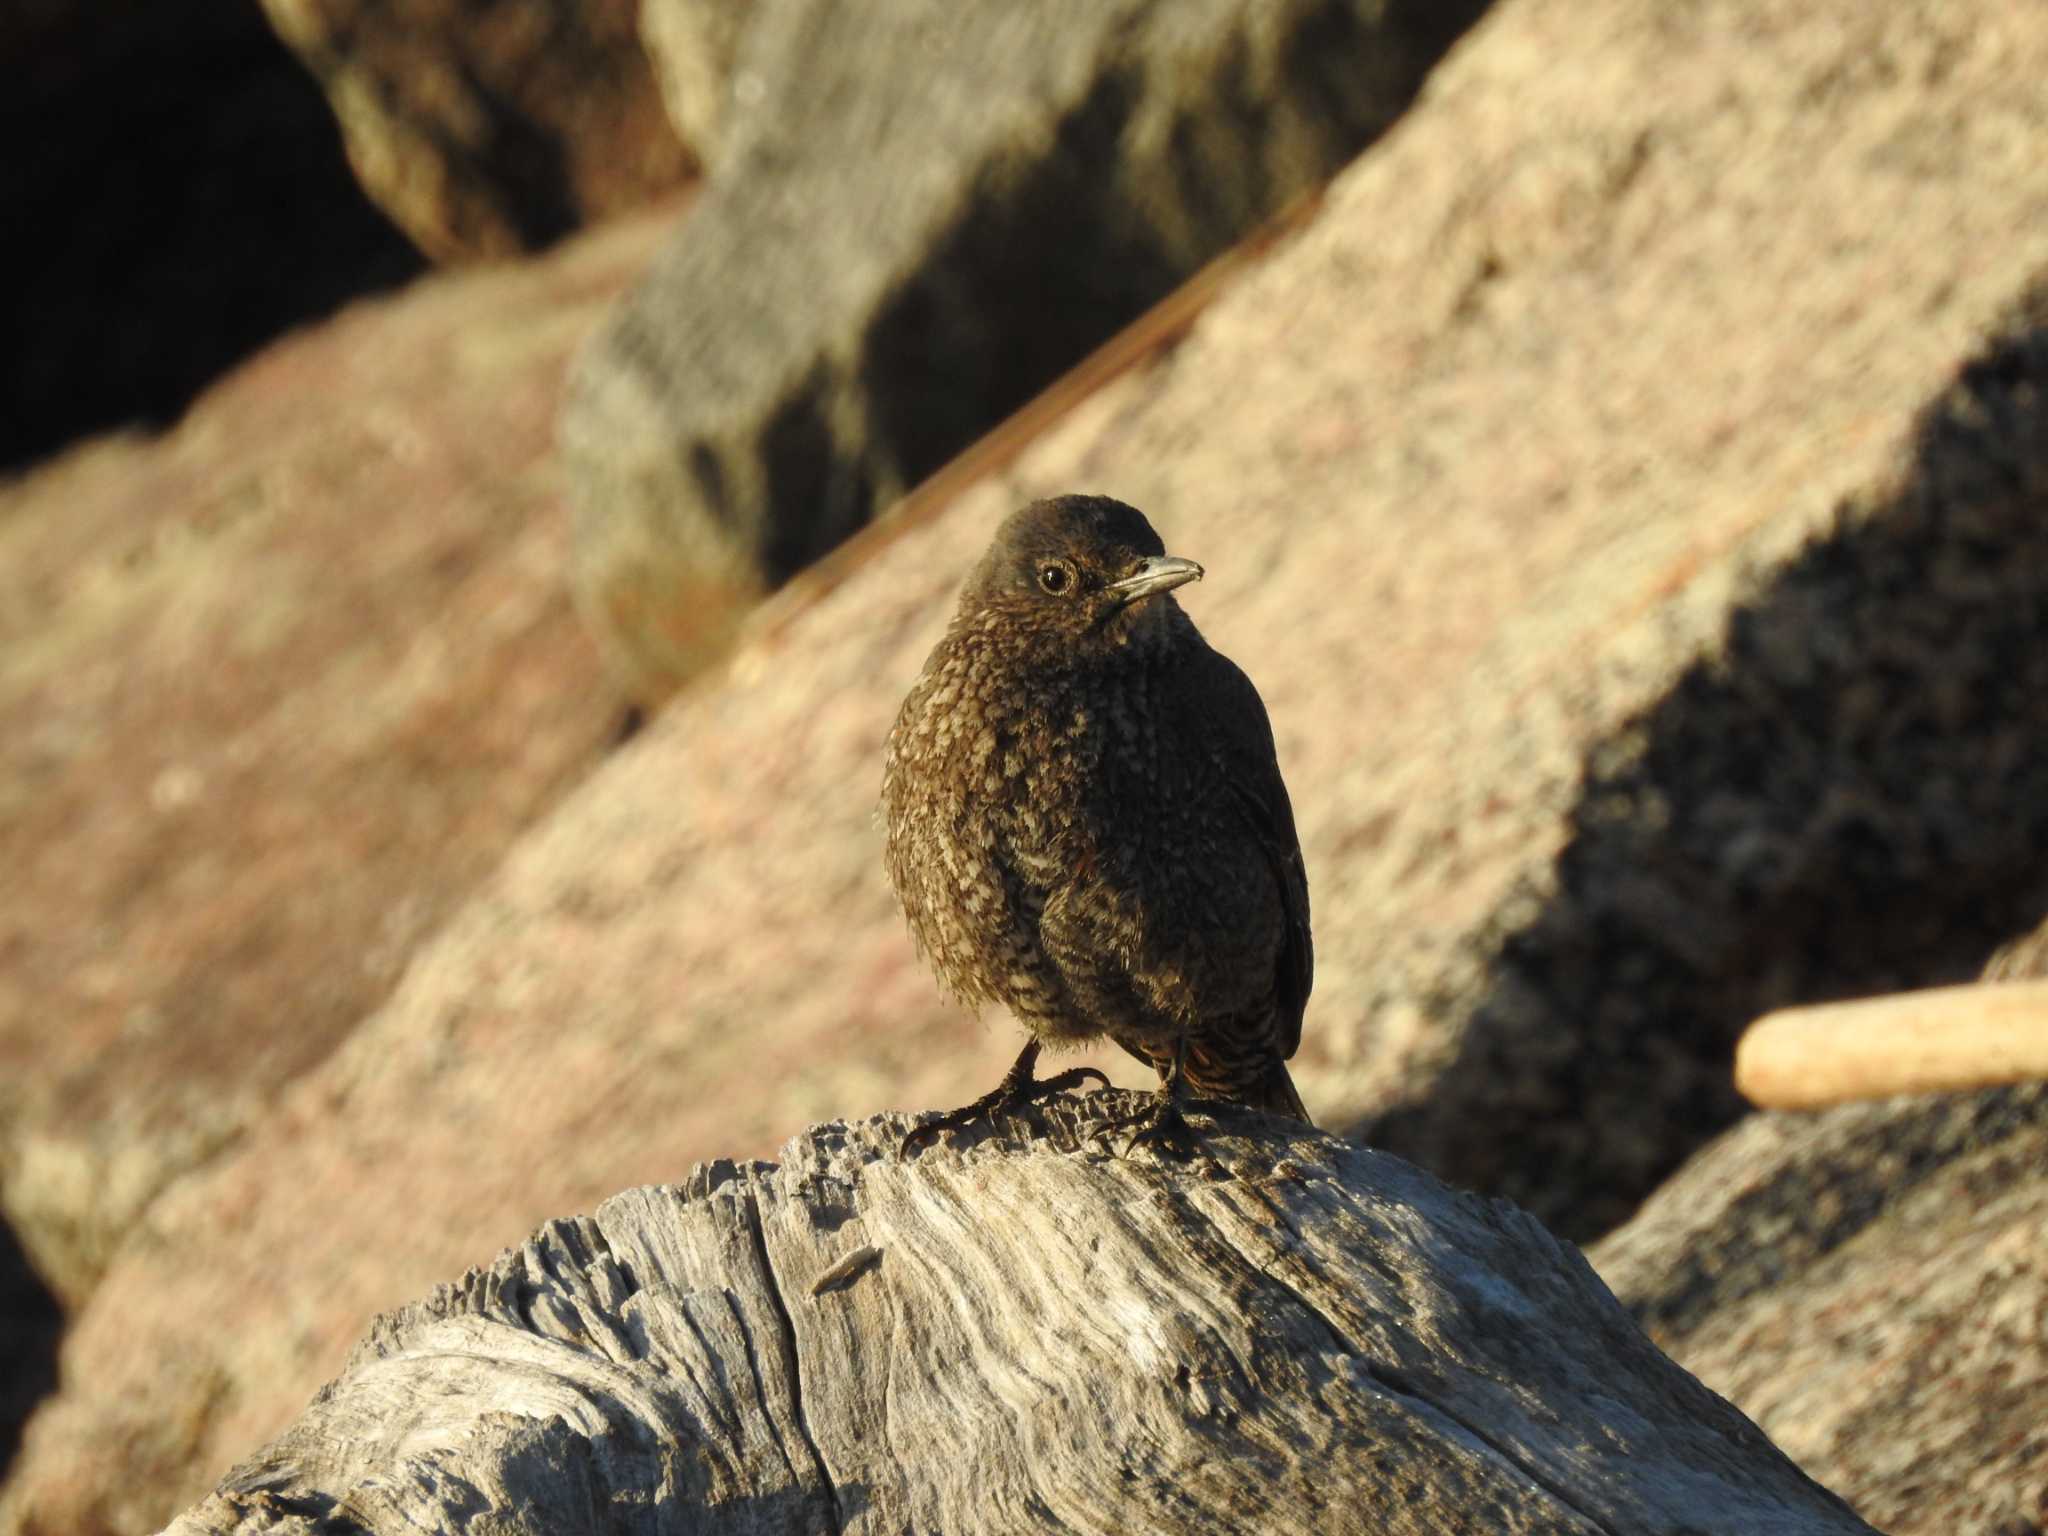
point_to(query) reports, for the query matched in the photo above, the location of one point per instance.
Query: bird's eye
(1056, 576)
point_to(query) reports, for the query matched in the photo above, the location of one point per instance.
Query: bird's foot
(1008, 1097)
(1162, 1127)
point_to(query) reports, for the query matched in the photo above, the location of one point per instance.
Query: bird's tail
(1275, 1093)
(1238, 1077)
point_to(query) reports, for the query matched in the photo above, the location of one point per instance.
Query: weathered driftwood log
(1938, 1040)
(1022, 1332)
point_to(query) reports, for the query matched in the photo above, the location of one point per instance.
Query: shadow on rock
(31, 1323)
(1848, 796)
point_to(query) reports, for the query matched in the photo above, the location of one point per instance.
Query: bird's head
(1084, 572)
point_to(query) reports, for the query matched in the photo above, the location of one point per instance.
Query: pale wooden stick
(1942, 1040)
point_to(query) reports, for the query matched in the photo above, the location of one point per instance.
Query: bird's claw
(987, 1107)
(1007, 1099)
(1163, 1128)
(1066, 1082)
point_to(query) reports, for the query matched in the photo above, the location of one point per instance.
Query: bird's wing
(1239, 739)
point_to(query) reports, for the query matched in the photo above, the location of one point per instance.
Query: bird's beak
(1159, 573)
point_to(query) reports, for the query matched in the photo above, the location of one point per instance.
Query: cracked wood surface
(1020, 1332)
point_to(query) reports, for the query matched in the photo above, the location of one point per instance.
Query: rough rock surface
(175, 195)
(275, 690)
(490, 127)
(1590, 354)
(1844, 793)
(927, 211)
(1870, 1285)
(694, 46)
(1287, 1333)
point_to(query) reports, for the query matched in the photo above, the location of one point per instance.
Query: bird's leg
(1162, 1126)
(1018, 1088)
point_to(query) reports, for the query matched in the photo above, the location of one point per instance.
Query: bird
(1085, 822)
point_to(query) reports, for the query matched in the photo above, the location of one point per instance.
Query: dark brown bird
(1086, 821)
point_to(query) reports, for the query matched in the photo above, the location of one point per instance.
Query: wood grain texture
(1020, 1332)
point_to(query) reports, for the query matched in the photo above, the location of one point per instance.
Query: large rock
(926, 211)
(280, 687)
(488, 129)
(175, 196)
(1843, 790)
(1482, 466)
(1868, 1284)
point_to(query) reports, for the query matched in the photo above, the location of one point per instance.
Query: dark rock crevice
(179, 196)
(32, 1323)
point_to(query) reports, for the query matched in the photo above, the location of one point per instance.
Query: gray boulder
(1868, 1284)
(1845, 791)
(924, 213)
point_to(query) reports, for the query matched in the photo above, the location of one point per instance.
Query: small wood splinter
(846, 1269)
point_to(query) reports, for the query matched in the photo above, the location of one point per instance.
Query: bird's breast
(1054, 773)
